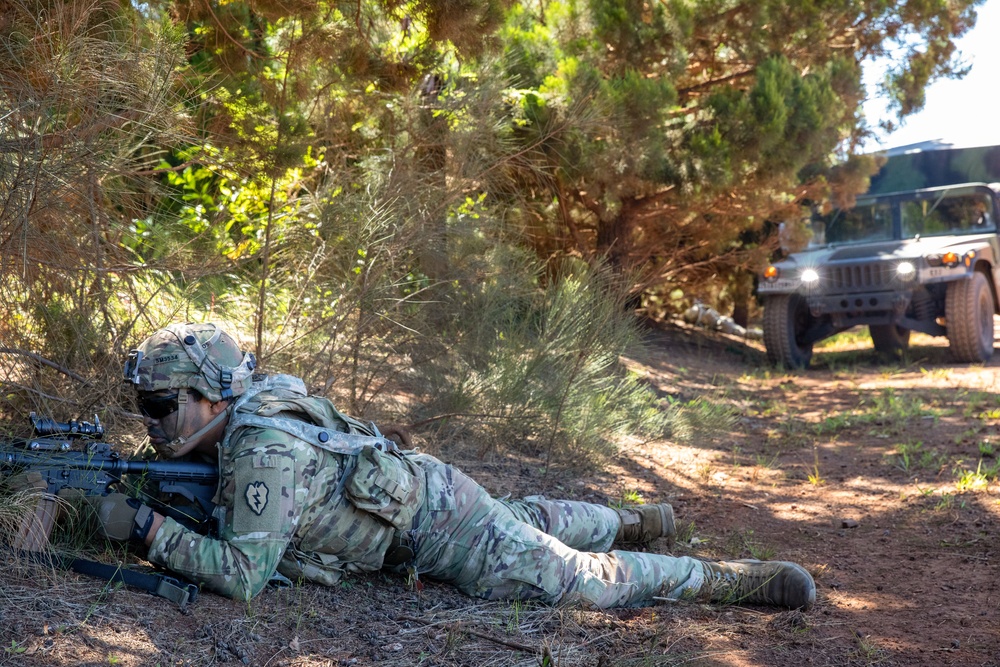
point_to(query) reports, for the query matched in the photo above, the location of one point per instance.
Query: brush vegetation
(444, 215)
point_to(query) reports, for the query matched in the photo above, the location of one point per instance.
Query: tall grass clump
(536, 361)
(699, 418)
(87, 97)
(498, 350)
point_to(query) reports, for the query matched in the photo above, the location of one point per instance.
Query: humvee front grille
(878, 275)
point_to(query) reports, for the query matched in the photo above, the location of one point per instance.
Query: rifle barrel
(17, 457)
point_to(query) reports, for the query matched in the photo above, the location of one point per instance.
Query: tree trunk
(432, 159)
(614, 239)
(742, 292)
(615, 245)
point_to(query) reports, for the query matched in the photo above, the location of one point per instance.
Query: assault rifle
(182, 490)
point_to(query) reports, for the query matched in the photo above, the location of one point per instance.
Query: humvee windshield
(929, 214)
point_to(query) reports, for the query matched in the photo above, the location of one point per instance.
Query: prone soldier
(306, 492)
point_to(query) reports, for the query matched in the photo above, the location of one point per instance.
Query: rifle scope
(75, 429)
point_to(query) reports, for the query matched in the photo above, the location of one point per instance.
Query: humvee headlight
(810, 276)
(950, 259)
(771, 273)
(906, 270)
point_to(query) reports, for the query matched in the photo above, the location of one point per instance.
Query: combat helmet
(202, 357)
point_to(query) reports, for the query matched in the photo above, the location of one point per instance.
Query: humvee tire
(786, 319)
(969, 319)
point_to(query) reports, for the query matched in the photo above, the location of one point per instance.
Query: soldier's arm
(260, 522)
(237, 570)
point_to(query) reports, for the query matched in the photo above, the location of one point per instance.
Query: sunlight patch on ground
(674, 458)
(886, 602)
(853, 339)
(973, 376)
(720, 658)
(672, 454)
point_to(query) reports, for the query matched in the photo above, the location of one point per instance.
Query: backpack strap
(322, 436)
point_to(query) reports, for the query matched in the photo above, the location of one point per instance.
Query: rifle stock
(33, 534)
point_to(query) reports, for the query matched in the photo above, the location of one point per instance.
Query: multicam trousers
(535, 549)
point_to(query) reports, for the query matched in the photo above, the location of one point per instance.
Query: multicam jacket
(302, 498)
(305, 505)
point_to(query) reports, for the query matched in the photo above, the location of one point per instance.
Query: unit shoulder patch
(263, 494)
(256, 497)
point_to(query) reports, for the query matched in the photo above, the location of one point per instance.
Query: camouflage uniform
(288, 505)
(311, 494)
(535, 549)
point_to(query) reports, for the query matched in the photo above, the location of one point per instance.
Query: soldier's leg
(467, 538)
(590, 527)
(578, 525)
(520, 565)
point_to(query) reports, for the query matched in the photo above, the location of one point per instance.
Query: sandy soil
(865, 473)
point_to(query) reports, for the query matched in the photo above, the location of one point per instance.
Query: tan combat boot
(778, 583)
(645, 523)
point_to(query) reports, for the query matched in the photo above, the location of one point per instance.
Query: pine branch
(42, 361)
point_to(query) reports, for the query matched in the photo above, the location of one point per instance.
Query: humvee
(921, 260)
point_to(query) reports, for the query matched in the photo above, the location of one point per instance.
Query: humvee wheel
(889, 339)
(786, 319)
(969, 319)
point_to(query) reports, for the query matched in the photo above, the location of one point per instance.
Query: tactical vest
(378, 479)
(329, 428)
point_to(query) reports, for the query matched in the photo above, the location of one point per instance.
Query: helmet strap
(182, 400)
(179, 446)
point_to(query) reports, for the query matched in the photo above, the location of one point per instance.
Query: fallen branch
(459, 626)
(38, 359)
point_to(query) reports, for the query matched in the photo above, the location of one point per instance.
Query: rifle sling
(157, 584)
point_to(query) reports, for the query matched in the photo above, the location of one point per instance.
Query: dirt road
(880, 479)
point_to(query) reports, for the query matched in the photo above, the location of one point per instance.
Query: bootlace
(739, 584)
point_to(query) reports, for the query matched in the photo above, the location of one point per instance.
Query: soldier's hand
(25, 482)
(121, 518)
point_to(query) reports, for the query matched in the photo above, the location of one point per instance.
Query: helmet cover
(202, 357)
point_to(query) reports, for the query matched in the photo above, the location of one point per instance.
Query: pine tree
(671, 132)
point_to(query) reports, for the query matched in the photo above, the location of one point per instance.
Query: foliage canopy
(450, 201)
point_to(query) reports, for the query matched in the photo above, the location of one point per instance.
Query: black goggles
(157, 407)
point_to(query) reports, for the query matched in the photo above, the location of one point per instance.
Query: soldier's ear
(219, 407)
